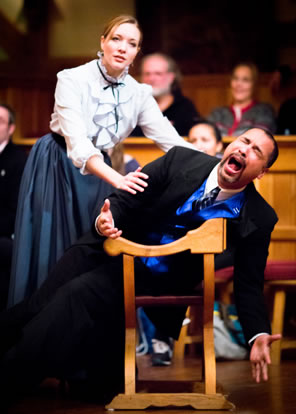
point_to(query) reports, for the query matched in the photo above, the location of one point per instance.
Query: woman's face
(242, 85)
(203, 138)
(120, 48)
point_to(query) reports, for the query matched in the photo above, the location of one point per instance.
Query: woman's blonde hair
(119, 20)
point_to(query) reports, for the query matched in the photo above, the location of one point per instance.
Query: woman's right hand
(133, 181)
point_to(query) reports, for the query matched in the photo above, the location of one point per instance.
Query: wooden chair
(208, 239)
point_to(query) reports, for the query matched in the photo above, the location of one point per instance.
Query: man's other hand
(260, 356)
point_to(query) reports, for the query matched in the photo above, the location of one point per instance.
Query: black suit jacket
(12, 162)
(172, 179)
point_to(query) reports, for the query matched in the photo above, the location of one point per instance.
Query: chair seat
(275, 270)
(224, 274)
(280, 270)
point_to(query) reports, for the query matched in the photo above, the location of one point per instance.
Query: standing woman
(245, 111)
(68, 173)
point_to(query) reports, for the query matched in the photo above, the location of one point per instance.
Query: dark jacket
(172, 179)
(181, 113)
(12, 162)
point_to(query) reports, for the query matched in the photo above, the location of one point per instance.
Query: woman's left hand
(133, 181)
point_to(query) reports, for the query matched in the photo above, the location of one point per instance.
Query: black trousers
(75, 321)
(67, 326)
(6, 245)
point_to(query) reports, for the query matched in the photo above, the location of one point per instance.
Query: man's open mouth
(236, 163)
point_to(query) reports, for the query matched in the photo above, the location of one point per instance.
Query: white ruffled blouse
(92, 116)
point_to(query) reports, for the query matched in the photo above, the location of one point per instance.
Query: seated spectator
(162, 73)
(286, 122)
(280, 79)
(281, 86)
(206, 137)
(122, 162)
(12, 162)
(245, 112)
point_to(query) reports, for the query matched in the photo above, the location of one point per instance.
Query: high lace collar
(109, 78)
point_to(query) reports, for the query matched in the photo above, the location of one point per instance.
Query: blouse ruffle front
(111, 107)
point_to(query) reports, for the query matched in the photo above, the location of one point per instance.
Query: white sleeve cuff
(256, 336)
(96, 227)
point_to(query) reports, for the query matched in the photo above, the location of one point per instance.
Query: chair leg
(208, 326)
(179, 345)
(278, 323)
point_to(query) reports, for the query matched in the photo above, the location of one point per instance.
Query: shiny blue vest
(185, 219)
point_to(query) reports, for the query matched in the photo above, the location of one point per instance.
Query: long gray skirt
(57, 205)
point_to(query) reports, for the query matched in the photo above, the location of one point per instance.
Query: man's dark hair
(11, 113)
(275, 152)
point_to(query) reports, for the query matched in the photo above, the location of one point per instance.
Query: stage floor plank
(277, 396)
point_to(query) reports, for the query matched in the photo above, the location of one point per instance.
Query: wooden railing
(278, 187)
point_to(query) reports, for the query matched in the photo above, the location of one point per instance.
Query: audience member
(121, 161)
(280, 79)
(245, 112)
(162, 73)
(68, 172)
(206, 137)
(286, 121)
(76, 319)
(12, 162)
(281, 86)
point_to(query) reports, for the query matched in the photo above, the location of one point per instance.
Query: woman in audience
(68, 173)
(206, 137)
(121, 161)
(245, 112)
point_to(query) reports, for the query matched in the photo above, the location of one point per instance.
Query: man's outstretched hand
(260, 356)
(105, 223)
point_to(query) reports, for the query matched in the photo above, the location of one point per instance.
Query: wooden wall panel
(33, 104)
(33, 98)
(278, 187)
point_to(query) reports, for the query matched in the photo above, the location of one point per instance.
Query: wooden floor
(277, 396)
